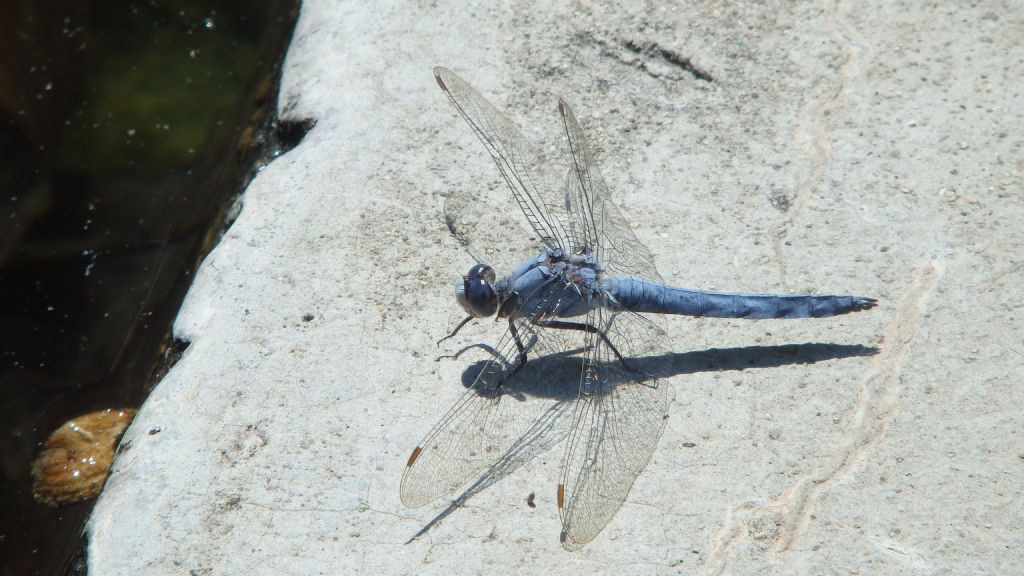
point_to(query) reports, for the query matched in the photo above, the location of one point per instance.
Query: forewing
(518, 161)
(489, 226)
(619, 417)
(594, 216)
(493, 414)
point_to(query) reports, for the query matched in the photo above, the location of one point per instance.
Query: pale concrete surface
(868, 148)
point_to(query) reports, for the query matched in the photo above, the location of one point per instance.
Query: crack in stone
(648, 49)
(874, 409)
(875, 404)
(814, 127)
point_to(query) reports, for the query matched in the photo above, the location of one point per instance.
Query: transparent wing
(594, 218)
(621, 411)
(519, 162)
(619, 417)
(495, 411)
(488, 224)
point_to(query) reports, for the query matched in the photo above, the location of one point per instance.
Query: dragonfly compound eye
(476, 292)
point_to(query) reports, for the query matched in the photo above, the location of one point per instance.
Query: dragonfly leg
(456, 331)
(489, 349)
(522, 353)
(562, 325)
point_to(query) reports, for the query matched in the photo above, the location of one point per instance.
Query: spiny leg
(522, 353)
(486, 348)
(563, 325)
(457, 328)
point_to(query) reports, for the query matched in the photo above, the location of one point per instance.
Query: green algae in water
(153, 100)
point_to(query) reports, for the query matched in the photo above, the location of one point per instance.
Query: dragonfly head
(475, 292)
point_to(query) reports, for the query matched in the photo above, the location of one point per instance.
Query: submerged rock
(75, 459)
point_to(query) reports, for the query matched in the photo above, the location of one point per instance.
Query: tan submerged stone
(75, 459)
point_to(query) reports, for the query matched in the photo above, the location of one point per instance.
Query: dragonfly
(587, 296)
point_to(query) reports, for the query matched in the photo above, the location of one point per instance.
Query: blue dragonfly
(583, 296)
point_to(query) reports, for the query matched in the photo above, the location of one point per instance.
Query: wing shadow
(553, 377)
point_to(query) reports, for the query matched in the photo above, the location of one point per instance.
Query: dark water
(126, 131)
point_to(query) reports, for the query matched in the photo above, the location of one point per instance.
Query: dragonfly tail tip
(865, 303)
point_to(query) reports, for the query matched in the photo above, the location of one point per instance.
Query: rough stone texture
(870, 148)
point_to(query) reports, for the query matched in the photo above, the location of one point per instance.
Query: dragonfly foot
(465, 321)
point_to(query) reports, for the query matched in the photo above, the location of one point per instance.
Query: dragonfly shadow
(556, 377)
(750, 357)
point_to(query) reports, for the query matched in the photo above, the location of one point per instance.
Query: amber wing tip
(412, 457)
(438, 70)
